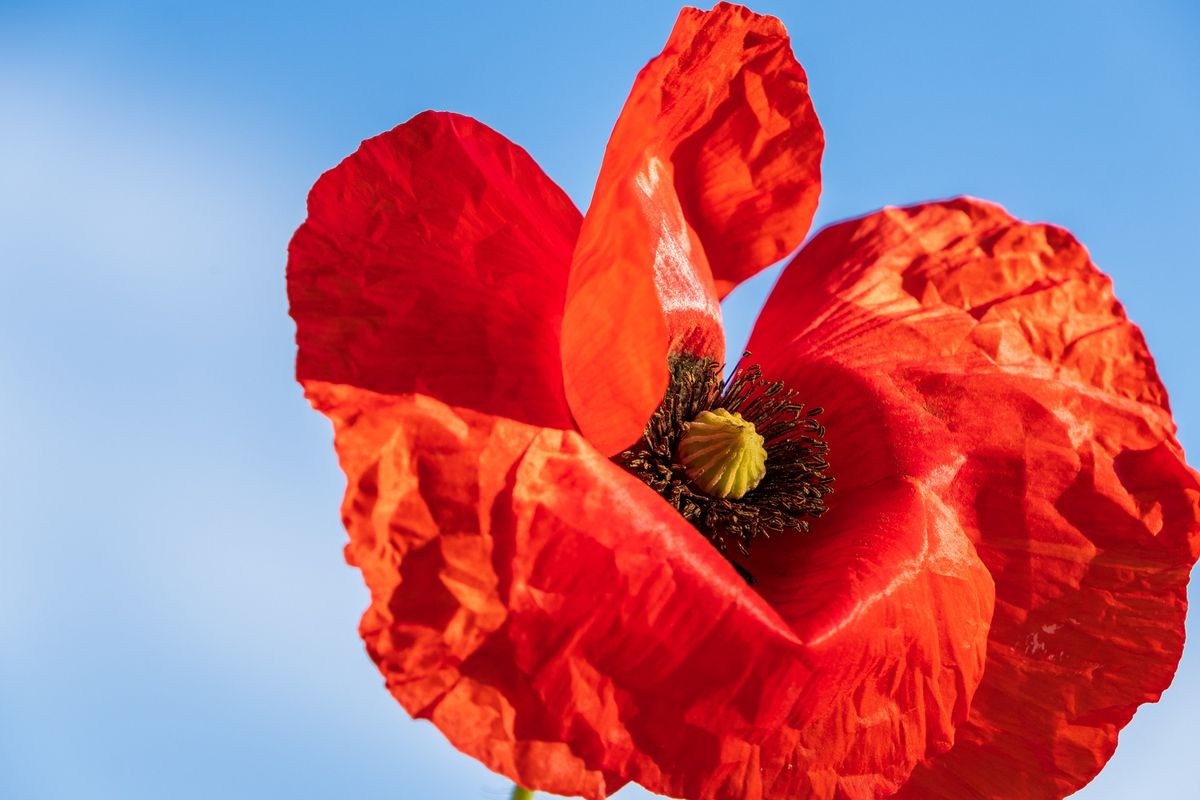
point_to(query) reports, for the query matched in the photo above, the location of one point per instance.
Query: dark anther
(790, 494)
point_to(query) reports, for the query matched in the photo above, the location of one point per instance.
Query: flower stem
(521, 794)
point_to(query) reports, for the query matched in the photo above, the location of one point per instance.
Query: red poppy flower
(508, 382)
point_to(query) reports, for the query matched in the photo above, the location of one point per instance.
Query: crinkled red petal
(711, 174)
(556, 619)
(952, 331)
(435, 260)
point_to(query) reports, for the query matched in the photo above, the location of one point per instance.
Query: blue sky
(175, 614)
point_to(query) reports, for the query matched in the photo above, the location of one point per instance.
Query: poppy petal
(711, 174)
(435, 259)
(998, 342)
(898, 611)
(560, 622)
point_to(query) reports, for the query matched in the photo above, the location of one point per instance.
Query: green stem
(521, 794)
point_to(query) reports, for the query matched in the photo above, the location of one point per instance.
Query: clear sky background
(176, 620)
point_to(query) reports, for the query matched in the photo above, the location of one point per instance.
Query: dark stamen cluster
(795, 485)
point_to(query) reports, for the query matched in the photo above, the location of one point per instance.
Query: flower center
(706, 448)
(722, 453)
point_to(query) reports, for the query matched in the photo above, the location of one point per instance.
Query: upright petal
(435, 260)
(711, 174)
(989, 359)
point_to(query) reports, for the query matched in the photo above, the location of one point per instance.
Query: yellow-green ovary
(722, 454)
